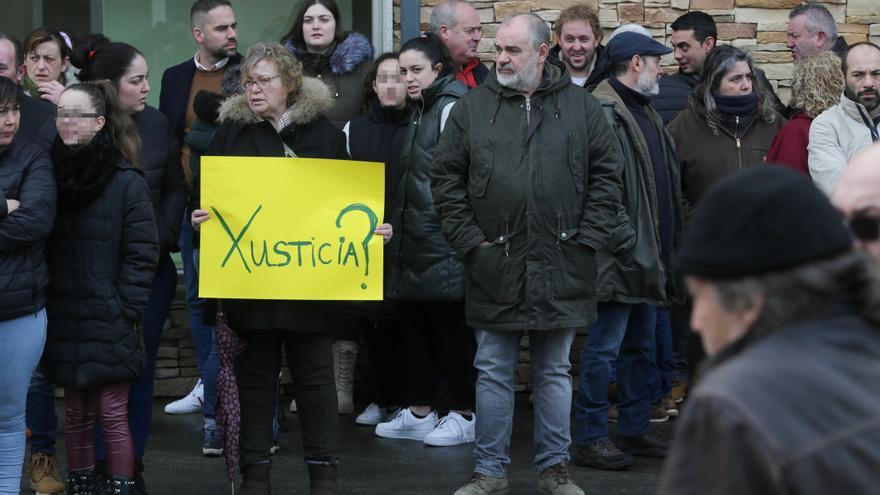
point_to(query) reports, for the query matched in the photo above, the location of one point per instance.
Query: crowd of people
(569, 186)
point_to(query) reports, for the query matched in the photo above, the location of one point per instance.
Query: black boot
(83, 482)
(322, 480)
(140, 487)
(117, 485)
(255, 479)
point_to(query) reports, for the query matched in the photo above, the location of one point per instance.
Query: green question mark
(374, 221)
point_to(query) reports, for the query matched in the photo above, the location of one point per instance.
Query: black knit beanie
(764, 219)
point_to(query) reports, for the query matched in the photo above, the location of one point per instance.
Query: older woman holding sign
(281, 114)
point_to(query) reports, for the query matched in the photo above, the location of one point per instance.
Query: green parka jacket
(631, 270)
(539, 178)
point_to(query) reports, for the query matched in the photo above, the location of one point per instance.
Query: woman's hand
(51, 91)
(198, 217)
(13, 204)
(385, 231)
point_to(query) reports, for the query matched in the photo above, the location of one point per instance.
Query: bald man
(857, 195)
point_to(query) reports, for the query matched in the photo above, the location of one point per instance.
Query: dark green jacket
(540, 179)
(423, 266)
(631, 270)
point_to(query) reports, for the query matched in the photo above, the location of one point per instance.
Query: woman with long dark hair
(427, 275)
(102, 257)
(126, 68)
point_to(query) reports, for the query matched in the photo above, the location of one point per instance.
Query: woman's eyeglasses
(262, 82)
(864, 227)
(74, 115)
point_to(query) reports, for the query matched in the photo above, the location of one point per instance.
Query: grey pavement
(369, 465)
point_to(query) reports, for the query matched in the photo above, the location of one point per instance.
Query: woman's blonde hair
(289, 67)
(817, 83)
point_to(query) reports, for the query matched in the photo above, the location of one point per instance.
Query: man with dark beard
(853, 124)
(526, 180)
(634, 273)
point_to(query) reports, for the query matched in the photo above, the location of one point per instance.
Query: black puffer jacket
(160, 162)
(343, 69)
(102, 258)
(309, 135)
(424, 267)
(675, 92)
(26, 176)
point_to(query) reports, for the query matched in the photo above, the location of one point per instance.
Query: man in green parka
(526, 179)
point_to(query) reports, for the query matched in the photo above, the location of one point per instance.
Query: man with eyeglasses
(857, 195)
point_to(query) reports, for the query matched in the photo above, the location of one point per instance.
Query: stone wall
(757, 26)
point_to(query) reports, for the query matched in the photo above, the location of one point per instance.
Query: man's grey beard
(520, 81)
(647, 85)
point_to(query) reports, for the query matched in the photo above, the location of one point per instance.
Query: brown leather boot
(322, 480)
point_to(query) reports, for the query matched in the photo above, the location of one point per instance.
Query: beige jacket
(835, 136)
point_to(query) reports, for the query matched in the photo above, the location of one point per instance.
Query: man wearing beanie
(789, 314)
(634, 271)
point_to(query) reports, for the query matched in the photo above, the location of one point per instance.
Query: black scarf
(82, 172)
(737, 105)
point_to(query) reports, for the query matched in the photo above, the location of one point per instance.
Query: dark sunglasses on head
(865, 227)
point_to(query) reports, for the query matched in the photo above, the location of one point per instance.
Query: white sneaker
(374, 415)
(192, 403)
(292, 406)
(453, 429)
(407, 425)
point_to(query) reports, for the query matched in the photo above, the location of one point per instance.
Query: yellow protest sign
(291, 228)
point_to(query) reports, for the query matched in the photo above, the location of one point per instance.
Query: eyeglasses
(262, 82)
(864, 227)
(74, 115)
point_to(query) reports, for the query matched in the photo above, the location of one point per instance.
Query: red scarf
(466, 73)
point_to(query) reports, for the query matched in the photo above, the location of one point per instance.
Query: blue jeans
(40, 414)
(203, 335)
(623, 333)
(140, 396)
(495, 360)
(662, 363)
(21, 345)
(680, 315)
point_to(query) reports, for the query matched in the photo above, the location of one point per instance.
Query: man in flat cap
(789, 314)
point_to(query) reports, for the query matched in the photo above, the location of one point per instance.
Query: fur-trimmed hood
(314, 100)
(345, 57)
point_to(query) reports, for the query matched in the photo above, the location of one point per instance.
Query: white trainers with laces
(453, 429)
(374, 415)
(191, 403)
(406, 425)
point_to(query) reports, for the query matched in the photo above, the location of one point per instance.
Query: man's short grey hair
(539, 31)
(630, 28)
(444, 15)
(818, 19)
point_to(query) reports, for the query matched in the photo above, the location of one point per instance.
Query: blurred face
(717, 326)
(417, 72)
(133, 86)
(75, 118)
(517, 65)
(218, 36)
(9, 120)
(463, 38)
(649, 78)
(737, 81)
(800, 41)
(389, 86)
(690, 53)
(578, 45)
(863, 77)
(319, 28)
(44, 63)
(265, 91)
(8, 67)
(857, 196)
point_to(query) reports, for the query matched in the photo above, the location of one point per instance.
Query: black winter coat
(102, 260)
(424, 267)
(538, 178)
(310, 135)
(35, 112)
(26, 176)
(160, 162)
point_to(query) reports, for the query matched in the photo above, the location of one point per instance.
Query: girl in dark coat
(102, 255)
(27, 210)
(280, 114)
(342, 61)
(427, 275)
